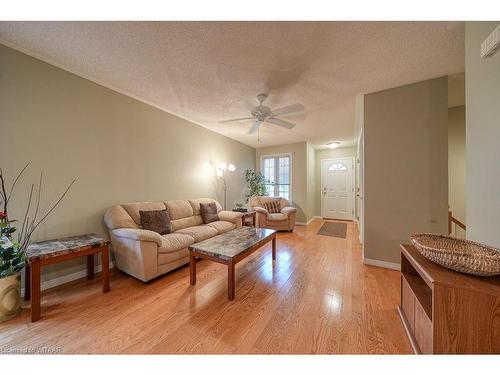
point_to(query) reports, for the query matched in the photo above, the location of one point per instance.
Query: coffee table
(230, 248)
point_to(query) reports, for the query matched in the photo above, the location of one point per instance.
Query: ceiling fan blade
(254, 127)
(283, 123)
(288, 109)
(236, 119)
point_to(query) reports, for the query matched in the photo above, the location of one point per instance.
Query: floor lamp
(222, 171)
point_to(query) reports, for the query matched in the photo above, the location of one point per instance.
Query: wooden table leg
(274, 248)
(35, 290)
(192, 269)
(230, 281)
(27, 282)
(105, 269)
(90, 267)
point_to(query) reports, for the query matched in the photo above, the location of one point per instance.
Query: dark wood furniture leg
(90, 267)
(35, 291)
(230, 281)
(274, 248)
(27, 283)
(192, 268)
(105, 269)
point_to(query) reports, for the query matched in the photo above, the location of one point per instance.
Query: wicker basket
(458, 255)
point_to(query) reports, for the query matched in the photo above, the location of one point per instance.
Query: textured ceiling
(211, 71)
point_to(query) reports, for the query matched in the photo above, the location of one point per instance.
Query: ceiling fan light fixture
(332, 145)
(263, 114)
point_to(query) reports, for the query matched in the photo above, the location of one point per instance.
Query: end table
(56, 251)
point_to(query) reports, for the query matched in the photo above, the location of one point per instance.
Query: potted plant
(13, 251)
(256, 184)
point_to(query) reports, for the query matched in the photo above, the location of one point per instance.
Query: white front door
(337, 188)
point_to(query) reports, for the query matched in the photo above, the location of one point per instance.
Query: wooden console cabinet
(447, 312)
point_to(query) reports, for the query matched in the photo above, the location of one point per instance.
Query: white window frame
(289, 154)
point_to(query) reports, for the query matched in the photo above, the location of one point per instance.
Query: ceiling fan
(262, 113)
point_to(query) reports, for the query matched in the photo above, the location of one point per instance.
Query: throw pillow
(273, 206)
(157, 221)
(208, 212)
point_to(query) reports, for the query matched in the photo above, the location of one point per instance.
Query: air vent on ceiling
(491, 44)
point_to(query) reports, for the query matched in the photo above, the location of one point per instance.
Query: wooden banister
(452, 220)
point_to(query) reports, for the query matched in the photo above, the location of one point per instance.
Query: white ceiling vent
(491, 44)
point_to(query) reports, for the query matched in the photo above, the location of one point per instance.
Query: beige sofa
(284, 220)
(146, 254)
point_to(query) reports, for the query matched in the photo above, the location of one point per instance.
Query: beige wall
(118, 148)
(456, 161)
(299, 173)
(327, 154)
(312, 187)
(405, 166)
(482, 100)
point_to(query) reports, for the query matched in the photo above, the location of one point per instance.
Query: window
(277, 170)
(337, 166)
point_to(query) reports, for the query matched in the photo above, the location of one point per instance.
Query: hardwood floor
(318, 298)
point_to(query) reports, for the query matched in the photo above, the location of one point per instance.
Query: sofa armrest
(288, 210)
(138, 235)
(231, 216)
(261, 210)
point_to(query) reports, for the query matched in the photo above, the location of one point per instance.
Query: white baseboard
(309, 222)
(381, 263)
(47, 284)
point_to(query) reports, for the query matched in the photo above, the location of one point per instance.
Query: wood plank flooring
(317, 298)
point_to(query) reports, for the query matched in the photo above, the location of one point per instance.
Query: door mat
(333, 229)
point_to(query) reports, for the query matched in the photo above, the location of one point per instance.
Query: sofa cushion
(164, 258)
(208, 212)
(179, 209)
(116, 217)
(199, 233)
(186, 222)
(134, 208)
(158, 221)
(277, 217)
(260, 200)
(222, 226)
(195, 204)
(273, 206)
(174, 242)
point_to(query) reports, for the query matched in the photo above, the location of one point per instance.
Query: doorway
(337, 188)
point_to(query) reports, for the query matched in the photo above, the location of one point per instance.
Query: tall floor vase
(10, 297)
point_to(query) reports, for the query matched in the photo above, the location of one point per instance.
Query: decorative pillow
(208, 212)
(157, 221)
(273, 206)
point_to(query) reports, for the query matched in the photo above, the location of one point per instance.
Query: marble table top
(61, 246)
(227, 245)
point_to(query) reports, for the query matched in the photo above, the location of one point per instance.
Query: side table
(55, 251)
(247, 215)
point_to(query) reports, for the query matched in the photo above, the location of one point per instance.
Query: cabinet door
(423, 330)
(408, 303)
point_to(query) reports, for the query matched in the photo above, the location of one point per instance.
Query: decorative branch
(26, 215)
(30, 221)
(26, 241)
(15, 181)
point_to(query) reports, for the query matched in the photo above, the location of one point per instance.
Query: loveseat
(145, 254)
(282, 220)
